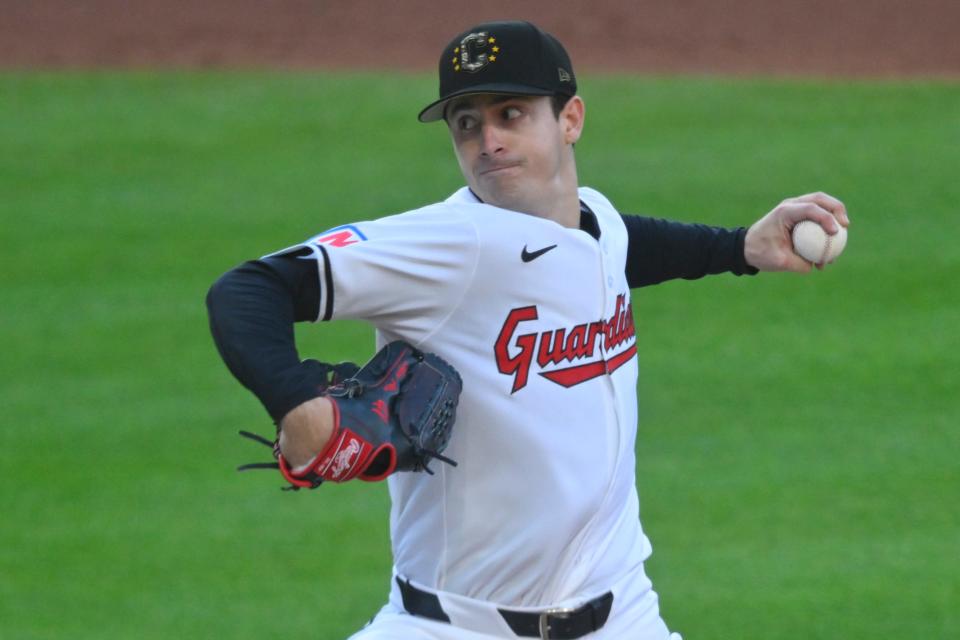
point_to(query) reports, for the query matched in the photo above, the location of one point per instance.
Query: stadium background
(798, 462)
(810, 37)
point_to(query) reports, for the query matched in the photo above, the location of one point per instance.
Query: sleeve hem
(740, 260)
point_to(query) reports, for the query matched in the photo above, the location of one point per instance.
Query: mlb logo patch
(342, 236)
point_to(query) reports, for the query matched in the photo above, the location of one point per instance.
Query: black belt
(550, 624)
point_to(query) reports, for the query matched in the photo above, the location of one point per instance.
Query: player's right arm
(659, 250)
(768, 243)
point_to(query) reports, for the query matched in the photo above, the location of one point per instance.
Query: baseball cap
(514, 58)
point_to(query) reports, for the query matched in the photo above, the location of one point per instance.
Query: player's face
(513, 151)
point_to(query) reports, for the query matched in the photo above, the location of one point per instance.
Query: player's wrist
(742, 258)
(307, 430)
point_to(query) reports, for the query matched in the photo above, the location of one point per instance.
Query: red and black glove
(394, 414)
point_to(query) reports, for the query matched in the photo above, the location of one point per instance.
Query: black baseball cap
(514, 58)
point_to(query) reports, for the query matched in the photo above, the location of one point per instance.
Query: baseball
(812, 243)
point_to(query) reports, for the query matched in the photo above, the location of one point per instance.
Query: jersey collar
(588, 219)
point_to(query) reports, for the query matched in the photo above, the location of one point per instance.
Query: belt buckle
(557, 612)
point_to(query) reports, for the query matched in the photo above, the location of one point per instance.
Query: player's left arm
(252, 309)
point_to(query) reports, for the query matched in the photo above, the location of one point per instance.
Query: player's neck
(558, 201)
(561, 203)
(565, 210)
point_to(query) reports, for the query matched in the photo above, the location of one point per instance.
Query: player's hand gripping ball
(395, 413)
(812, 243)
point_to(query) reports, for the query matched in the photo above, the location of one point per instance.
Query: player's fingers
(797, 211)
(793, 262)
(828, 202)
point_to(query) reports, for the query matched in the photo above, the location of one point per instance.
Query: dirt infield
(806, 37)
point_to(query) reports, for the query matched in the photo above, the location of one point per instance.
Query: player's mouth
(498, 169)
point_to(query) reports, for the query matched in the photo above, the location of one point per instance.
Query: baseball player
(521, 280)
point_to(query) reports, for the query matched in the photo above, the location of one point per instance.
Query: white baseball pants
(635, 614)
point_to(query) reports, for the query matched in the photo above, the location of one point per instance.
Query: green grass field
(799, 447)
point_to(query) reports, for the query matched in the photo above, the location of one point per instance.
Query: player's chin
(505, 196)
(505, 182)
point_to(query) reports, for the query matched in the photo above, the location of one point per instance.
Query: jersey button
(609, 281)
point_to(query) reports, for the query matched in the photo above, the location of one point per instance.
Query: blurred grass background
(798, 449)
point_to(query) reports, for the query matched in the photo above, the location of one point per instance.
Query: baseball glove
(393, 414)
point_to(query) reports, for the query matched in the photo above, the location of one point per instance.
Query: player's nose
(492, 140)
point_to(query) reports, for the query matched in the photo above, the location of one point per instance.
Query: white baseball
(812, 243)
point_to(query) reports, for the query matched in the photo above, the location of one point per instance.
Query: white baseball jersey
(536, 317)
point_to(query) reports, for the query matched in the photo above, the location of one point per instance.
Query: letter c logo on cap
(476, 51)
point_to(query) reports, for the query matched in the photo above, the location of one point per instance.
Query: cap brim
(434, 110)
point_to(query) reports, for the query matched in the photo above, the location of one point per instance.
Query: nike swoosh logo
(527, 256)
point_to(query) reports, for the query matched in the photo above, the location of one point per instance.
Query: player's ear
(571, 119)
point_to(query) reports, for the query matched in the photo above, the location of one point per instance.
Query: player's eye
(511, 113)
(466, 123)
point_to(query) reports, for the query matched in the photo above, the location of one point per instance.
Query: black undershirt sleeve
(660, 250)
(252, 309)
